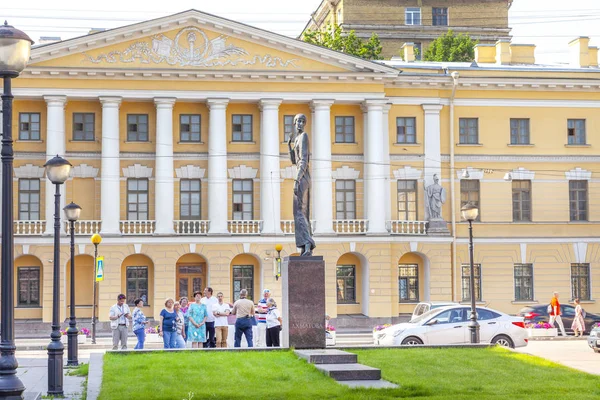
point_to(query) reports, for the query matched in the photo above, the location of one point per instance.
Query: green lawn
(422, 373)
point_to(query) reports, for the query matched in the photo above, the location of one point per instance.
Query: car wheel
(412, 341)
(504, 341)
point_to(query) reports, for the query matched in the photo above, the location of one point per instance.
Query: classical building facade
(177, 130)
(414, 21)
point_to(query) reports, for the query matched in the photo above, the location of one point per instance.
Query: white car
(423, 307)
(450, 325)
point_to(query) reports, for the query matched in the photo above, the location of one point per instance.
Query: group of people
(578, 325)
(203, 323)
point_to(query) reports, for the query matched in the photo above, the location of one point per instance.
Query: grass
(422, 373)
(81, 370)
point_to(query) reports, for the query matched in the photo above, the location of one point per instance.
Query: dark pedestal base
(303, 302)
(438, 227)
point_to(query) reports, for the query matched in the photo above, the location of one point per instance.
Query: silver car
(425, 306)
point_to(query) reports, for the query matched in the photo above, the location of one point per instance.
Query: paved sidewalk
(572, 353)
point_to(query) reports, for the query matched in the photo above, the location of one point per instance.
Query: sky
(550, 24)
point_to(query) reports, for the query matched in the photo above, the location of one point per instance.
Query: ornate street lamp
(15, 47)
(278, 248)
(470, 212)
(72, 213)
(96, 240)
(57, 171)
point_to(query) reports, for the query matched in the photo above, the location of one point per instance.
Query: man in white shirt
(210, 302)
(119, 316)
(261, 319)
(221, 311)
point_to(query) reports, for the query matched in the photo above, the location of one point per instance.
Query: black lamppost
(15, 47)
(96, 240)
(57, 171)
(470, 212)
(72, 212)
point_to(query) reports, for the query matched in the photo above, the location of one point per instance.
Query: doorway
(190, 278)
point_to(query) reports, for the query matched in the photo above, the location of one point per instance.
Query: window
(440, 16)
(137, 199)
(189, 199)
(521, 193)
(580, 281)
(29, 199)
(345, 199)
(469, 192)
(466, 283)
(137, 127)
(519, 131)
(483, 315)
(189, 128)
(578, 193)
(469, 130)
(29, 126)
(288, 127)
(407, 200)
(405, 130)
(29, 286)
(243, 203)
(346, 284)
(576, 131)
(137, 284)
(243, 278)
(83, 127)
(408, 282)
(241, 128)
(344, 129)
(413, 16)
(523, 282)
(418, 50)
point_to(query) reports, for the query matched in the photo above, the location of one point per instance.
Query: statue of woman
(299, 155)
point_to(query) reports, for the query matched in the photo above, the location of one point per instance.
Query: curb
(95, 375)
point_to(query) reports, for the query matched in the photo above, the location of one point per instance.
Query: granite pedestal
(303, 302)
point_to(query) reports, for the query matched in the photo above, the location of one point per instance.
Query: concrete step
(378, 384)
(350, 372)
(327, 356)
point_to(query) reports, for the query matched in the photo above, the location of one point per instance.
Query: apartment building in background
(414, 21)
(177, 130)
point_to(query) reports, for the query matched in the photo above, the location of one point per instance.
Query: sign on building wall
(99, 269)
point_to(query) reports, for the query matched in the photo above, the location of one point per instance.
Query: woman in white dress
(578, 325)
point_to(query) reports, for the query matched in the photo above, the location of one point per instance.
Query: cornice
(522, 158)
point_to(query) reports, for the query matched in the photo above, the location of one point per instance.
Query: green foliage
(346, 42)
(451, 48)
(81, 370)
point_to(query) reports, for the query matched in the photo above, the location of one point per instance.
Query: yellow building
(414, 21)
(177, 127)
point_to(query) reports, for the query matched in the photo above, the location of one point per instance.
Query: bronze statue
(299, 155)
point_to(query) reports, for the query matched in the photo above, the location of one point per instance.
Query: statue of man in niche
(435, 196)
(299, 155)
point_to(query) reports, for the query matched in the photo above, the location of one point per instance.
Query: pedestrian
(555, 313)
(210, 302)
(179, 323)
(274, 322)
(197, 317)
(221, 311)
(578, 325)
(261, 319)
(119, 316)
(168, 325)
(139, 324)
(185, 305)
(243, 309)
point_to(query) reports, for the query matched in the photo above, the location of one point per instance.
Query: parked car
(423, 307)
(539, 313)
(594, 339)
(449, 325)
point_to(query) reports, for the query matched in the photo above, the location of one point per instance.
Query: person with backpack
(554, 311)
(578, 325)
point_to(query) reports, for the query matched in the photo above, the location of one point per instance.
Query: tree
(451, 47)
(335, 39)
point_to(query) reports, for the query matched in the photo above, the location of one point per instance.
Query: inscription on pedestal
(303, 302)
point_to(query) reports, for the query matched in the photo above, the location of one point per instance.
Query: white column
(217, 166)
(387, 161)
(321, 161)
(433, 158)
(365, 164)
(110, 175)
(164, 183)
(55, 145)
(270, 193)
(375, 187)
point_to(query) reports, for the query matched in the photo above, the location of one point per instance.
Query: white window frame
(412, 11)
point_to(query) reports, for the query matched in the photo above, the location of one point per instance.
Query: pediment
(196, 41)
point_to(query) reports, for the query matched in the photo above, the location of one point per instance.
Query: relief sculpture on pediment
(189, 47)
